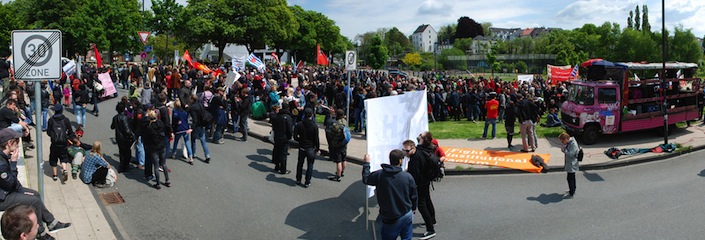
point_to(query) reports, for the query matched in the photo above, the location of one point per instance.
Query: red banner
(557, 74)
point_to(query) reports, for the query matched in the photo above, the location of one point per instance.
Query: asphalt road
(237, 196)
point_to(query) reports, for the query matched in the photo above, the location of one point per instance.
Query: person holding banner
(396, 195)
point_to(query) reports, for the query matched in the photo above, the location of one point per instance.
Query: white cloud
(433, 7)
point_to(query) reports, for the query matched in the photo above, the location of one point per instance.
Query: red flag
(188, 58)
(299, 66)
(274, 55)
(218, 72)
(322, 59)
(98, 59)
(204, 68)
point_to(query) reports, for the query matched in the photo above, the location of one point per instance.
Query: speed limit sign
(350, 60)
(36, 54)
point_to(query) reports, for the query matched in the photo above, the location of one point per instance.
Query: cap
(58, 108)
(308, 112)
(8, 134)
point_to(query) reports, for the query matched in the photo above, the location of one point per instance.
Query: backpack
(205, 117)
(59, 134)
(433, 168)
(580, 155)
(346, 133)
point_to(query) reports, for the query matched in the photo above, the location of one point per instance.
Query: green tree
(486, 29)
(315, 28)
(378, 53)
(446, 34)
(412, 59)
(163, 22)
(11, 21)
(645, 25)
(464, 44)
(637, 19)
(164, 46)
(521, 66)
(280, 25)
(636, 46)
(492, 59)
(396, 42)
(630, 21)
(452, 59)
(684, 46)
(217, 22)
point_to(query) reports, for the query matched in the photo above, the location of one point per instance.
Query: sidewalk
(73, 202)
(691, 138)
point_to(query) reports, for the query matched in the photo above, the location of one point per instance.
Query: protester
(492, 107)
(527, 114)
(77, 151)
(243, 105)
(182, 129)
(337, 148)
(59, 130)
(306, 133)
(570, 150)
(95, 169)
(510, 120)
(397, 196)
(80, 98)
(124, 137)
(201, 119)
(19, 223)
(418, 167)
(217, 107)
(552, 119)
(282, 126)
(13, 193)
(154, 132)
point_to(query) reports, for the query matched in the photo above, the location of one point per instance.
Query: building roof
(526, 32)
(422, 28)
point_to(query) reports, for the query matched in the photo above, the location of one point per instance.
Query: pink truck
(609, 101)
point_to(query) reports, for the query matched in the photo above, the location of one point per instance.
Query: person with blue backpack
(338, 136)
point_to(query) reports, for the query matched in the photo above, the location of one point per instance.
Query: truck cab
(591, 109)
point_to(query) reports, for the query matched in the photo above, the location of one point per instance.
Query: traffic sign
(350, 60)
(143, 55)
(144, 36)
(36, 54)
(148, 48)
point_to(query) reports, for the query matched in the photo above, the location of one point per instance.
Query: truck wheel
(590, 135)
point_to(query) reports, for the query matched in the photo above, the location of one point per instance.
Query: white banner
(70, 68)
(390, 121)
(239, 63)
(525, 78)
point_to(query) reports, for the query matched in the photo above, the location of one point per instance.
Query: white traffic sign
(36, 54)
(350, 60)
(144, 36)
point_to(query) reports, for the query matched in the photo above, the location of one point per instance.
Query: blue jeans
(489, 121)
(44, 120)
(236, 121)
(359, 118)
(139, 152)
(28, 114)
(200, 134)
(402, 227)
(80, 112)
(187, 143)
(474, 112)
(218, 133)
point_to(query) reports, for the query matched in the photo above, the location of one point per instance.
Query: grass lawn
(464, 129)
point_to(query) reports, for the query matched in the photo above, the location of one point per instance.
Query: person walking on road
(306, 133)
(419, 162)
(200, 118)
(80, 98)
(337, 147)
(570, 150)
(123, 136)
(396, 195)
(182, 129)
(13, 193)
(282, 127)
(154, 132)
(59, 130)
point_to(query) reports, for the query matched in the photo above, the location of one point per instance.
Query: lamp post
(663, 72)
(435, 59)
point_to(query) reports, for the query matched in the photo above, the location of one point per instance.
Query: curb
(498, 171)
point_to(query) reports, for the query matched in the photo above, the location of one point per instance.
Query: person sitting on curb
(96, 169)
(13, 193)
(77, 151)
(552, 119)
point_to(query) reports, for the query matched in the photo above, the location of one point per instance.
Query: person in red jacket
(492, 107)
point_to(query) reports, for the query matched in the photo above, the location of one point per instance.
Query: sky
(360, 16)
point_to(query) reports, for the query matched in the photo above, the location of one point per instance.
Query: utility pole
(663, 72)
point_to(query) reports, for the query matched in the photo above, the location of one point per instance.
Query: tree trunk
(221, 48)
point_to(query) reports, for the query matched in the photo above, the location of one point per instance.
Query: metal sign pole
(347, 96)
(39, 121)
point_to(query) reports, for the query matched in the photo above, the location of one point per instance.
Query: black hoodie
(59, 119)
(396, 190)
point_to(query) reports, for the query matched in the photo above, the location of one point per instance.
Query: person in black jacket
(59, 130)
(123, 136)
(396, 195)
(510, 119)
(418, 164)
(243, 103)
(80, 97)
(199, 124)
(307, 136)
(282, 126)
(153, 134)
(527, 112)
(12, 193)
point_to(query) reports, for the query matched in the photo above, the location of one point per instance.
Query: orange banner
(513, 160)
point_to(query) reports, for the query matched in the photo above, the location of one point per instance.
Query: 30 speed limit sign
(36, 54)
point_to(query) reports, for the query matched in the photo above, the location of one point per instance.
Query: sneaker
(285, 172)
(173, 156)
(45, 237)
(167, 184)
(74, 175)
(66, 176)
(157, 186)
(298, 183)
(58, 227)
(567, 196)
(55, 178)
(334, 178)
(307, 185)
(161, 169)
(208, 160)
(524, 151)
(221, 141)
(190, 162)
(428, 235)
